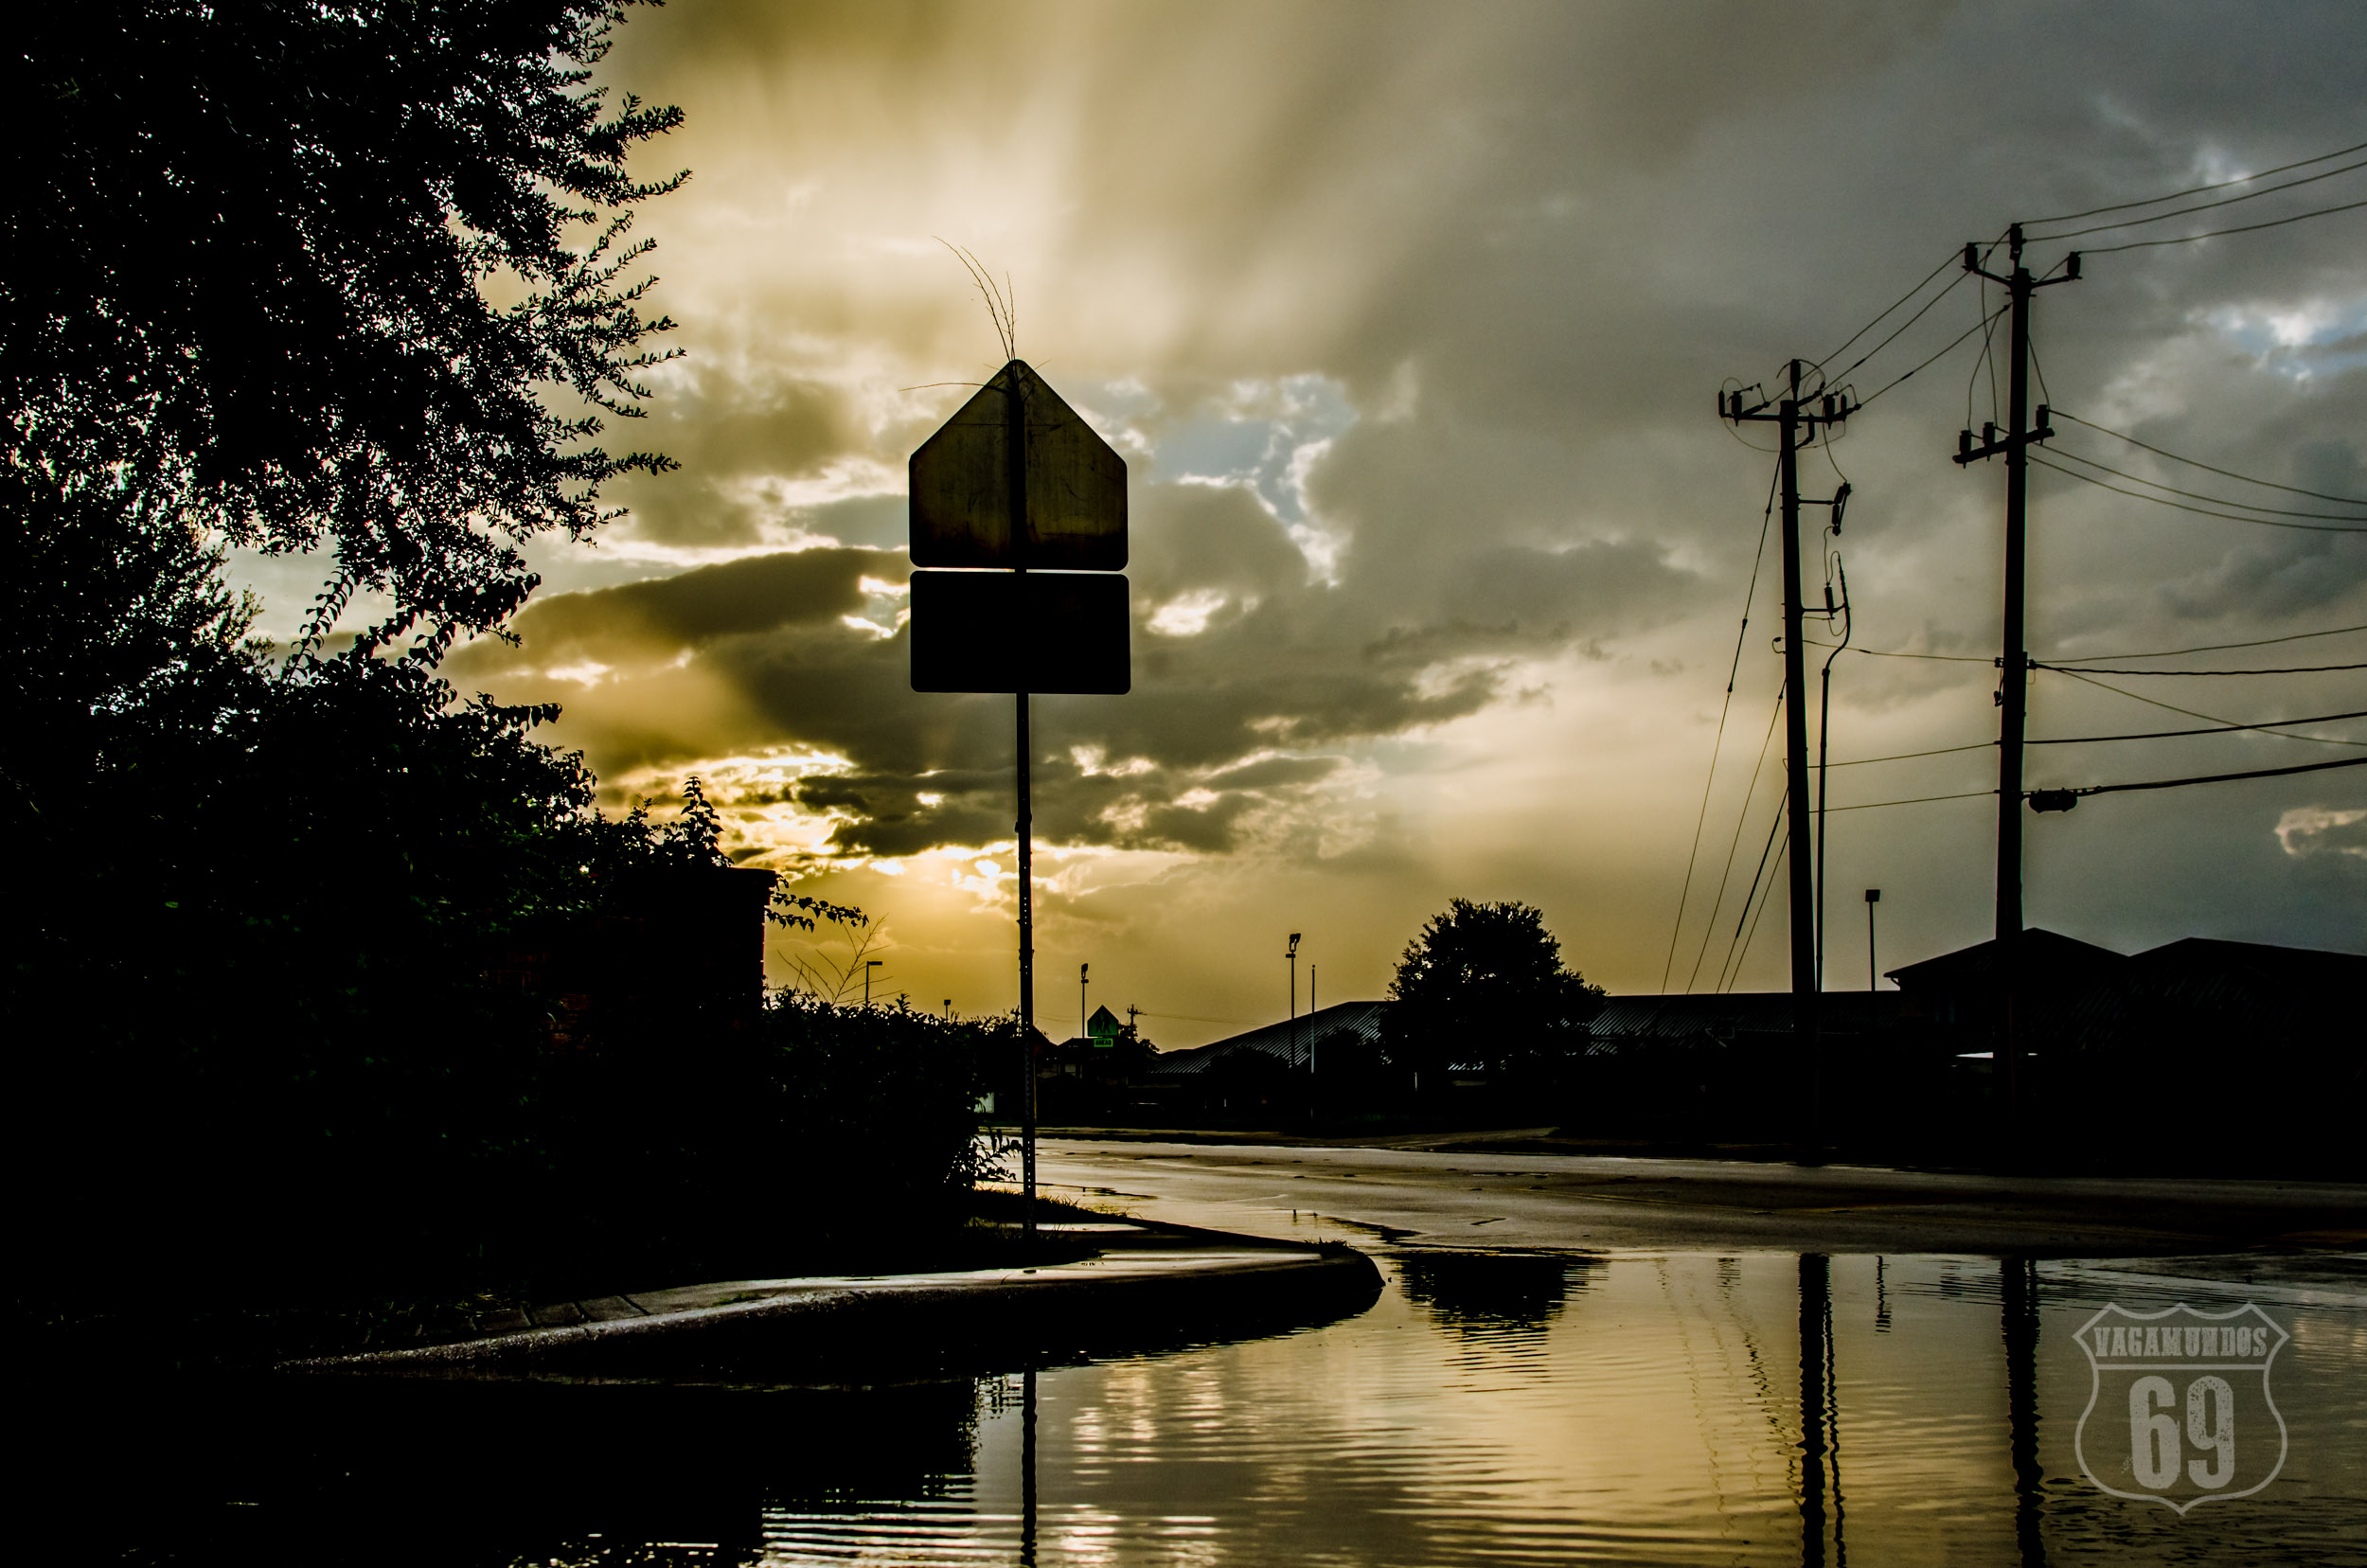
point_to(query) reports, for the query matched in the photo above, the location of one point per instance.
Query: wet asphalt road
(1495, 1201)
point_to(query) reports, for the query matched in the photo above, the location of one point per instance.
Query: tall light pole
(1293, 956)
(1872, 897)
(868, 965)
(1084, 1024)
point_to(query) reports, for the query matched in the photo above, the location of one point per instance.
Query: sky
(1409, 322)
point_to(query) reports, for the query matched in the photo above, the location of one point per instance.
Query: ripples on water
(1488, 1408)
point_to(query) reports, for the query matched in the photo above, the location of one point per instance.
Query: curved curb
(1128, 1298)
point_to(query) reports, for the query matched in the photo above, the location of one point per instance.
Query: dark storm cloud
(1520, 245)
(664, 616)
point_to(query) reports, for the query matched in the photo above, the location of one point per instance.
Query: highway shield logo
(2179, 1412)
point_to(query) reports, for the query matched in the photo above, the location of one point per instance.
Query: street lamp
(1084, 1024)
(1872, 897)
(1293, 956)
(868, 965)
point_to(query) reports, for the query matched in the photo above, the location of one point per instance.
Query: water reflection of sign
(2179, 1412)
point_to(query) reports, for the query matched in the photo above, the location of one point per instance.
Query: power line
(2221, 647)
(1781, 856)
(1908, 756)
(1772, 829)
(1977, 326)
(2200, 511)
(1946, 262)
(1902, 325)
(2214, 234)
(2224, 474)
(1885, 653)
(2196, 495)
(2266, 725)
(1919, 801)
(2217, 778)
(2197, 190)
(2190, 713)
(2288, 670)
(2199, 206)
(1741, 816)
(1676, 929)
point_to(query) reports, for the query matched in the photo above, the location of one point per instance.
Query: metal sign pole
(1015, 456)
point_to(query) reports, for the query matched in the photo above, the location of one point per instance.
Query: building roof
(1285, 1042)
(2046, 955)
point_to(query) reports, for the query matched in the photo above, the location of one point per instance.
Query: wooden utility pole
(2013, 657)
(1016, 436)
(1796, 425)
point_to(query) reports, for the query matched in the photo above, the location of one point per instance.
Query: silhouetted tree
(1482, 984)
(352, 274)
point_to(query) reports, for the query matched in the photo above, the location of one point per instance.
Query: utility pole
(2013, 658)
(1796, 425)
(1014, 434)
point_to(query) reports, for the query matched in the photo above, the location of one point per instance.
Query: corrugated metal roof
(1359, 1018)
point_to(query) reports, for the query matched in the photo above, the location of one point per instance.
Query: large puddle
(1490, 1408)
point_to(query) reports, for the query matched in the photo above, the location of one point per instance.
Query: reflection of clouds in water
(1648, 1415)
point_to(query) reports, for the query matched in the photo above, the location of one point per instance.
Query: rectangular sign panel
(1048, 632)
(1075, 485)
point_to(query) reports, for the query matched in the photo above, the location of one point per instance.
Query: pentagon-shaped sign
(1073, 492)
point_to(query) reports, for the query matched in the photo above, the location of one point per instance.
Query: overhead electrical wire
(1676, 929)
(1728, 963)
(2200, 511)
(1919, 800)
(2216, 501)
(1743, 816)
(1867, 401)
(2190, 713)
(2214, 234)
(2288, 670)
(2266, 725)
(2196, 495)
(2198, 206)
(2221, 647)
(2093, 658)
(2224, 474)
(2222, 779)
(1908, 756)
(1946, 262)
(1886, 653)
(1895, 335)
(2197, 190)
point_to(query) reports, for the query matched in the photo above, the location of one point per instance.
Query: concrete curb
(1133, 1298)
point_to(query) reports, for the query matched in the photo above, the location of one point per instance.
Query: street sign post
(1020, 508)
